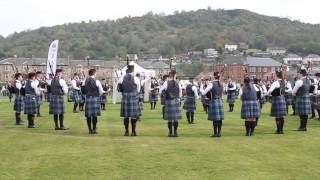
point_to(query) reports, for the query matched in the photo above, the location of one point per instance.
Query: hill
(168, 35)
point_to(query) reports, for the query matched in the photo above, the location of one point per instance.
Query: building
(243, 46)
(276, 51)
(314, 59)
(105, 67)
(231, 47)
(292, 59)
(210, 53)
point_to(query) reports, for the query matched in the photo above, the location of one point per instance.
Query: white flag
(52, 57)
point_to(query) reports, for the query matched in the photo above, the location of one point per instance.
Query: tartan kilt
(313, 101)
(30, 105)
(278, 106)
(18, 103)
(303, 105)
(39, 100)
(250, 109)
(103, 98)
(288, 98)
(49, 97)
(56, 105)
(231, 98)
(189, 103)
(92, 108)
(215, 110)
(130, 106)
(76, 96)
(153, 97)
(83, 98)
(172, 109)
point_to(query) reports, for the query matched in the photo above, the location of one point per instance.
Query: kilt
(103, 99)
(215, 110)
(317, 102)
(49, 97)
(250, 109)
(288, 98)
(76, 96)
(83, 98)
(39, 100)
(18, 103)
(30, 104)
(189, 103)
(231, 98)
(130, 106)
(172, 110)
(303, 105)
(278, 106)
(56, 105)
(313, 101)
(153, 97)
(92, 108)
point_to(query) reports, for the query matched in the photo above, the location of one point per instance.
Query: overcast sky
(19, 15)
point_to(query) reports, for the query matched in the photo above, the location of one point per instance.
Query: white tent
(144, 75)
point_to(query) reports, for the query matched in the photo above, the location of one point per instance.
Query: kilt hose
(303, 105)
(172, 111)
(130, 107)
(30, 104)
(250, 109)
(56, 105)
(215, 110)
(189, 103)
(288, 98)
(92, 108)
(278, 106)
(18, 104)
(231, 98)
(76, 96)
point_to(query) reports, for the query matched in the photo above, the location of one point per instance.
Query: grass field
(47, 154)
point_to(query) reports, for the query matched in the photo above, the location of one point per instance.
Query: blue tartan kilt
(56, 105)
(153, 97)
(288, 98)
(38, 100)
(49, 97)
(303, 105)
(93, 105)
(83, 98)
(250, 109)
(231, 98)
(278, 106)
(103, 98)
(30, 105)
(18, 103)
(189, 103)
(130, 106)
(172, 109)
(76, 96)
(215, 110)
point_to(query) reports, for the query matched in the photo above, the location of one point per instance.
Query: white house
(276, 51)
(210, 53)
(313, 58)
(231, 47)
(292, 59)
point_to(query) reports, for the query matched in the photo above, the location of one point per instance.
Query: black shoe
(90, 132)
(32, 127)
(126, 134)
(63, 128)
(213, 135)
(247, 134)
(133, 134)
(281, 132)
(19, 123)
(57, 128)
(302, 129)
(277, 132)
(94, 132)
(75, 111)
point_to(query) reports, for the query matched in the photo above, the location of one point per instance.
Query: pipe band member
(250, 108)
(172, 112)
(317, 94)
(153, 94)
(76, 91)
(59, 88)
(103, 97)
(94, 90)
(312, 93)
(259, 93)
(288, 94)
(19, 98)
(231, 91)
(129, 86)
(163, 93)
(40, 85)
(278, 106)
(30, 102)
(190, 100)
(303, 103)
(215, 108)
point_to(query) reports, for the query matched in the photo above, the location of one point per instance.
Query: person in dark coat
(19, 98)
(215, 109)
(59, 88)
(172, 112)
(94, 90)
(190, 101)
(129, 86)
(288, 94)
(231, 91)
(30, 102)
(250, 109)
(163, 93)
(153, 94)
(278, 107)
(103, 97)
(303, 103)
(83, 95)
(76, 91)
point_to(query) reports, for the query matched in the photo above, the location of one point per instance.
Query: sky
(20, 15)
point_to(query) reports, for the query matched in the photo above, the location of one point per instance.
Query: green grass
(47, 154)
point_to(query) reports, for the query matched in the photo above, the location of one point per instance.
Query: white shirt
(297, 85)
(136, 81)
(288, 88)
(233, 88)
(34, 85)
(273, 86)
(208, 88)
(18, 84)
(74, 85)
(64, 86)
(165, 86)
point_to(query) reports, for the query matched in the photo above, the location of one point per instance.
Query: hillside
(168, 35)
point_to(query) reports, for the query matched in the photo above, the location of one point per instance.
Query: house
(276, 51)
(194, 54)
(210, 53)
(292, 59)
(314, 59)
(231, 47)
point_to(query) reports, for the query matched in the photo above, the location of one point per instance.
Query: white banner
(52, 57)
